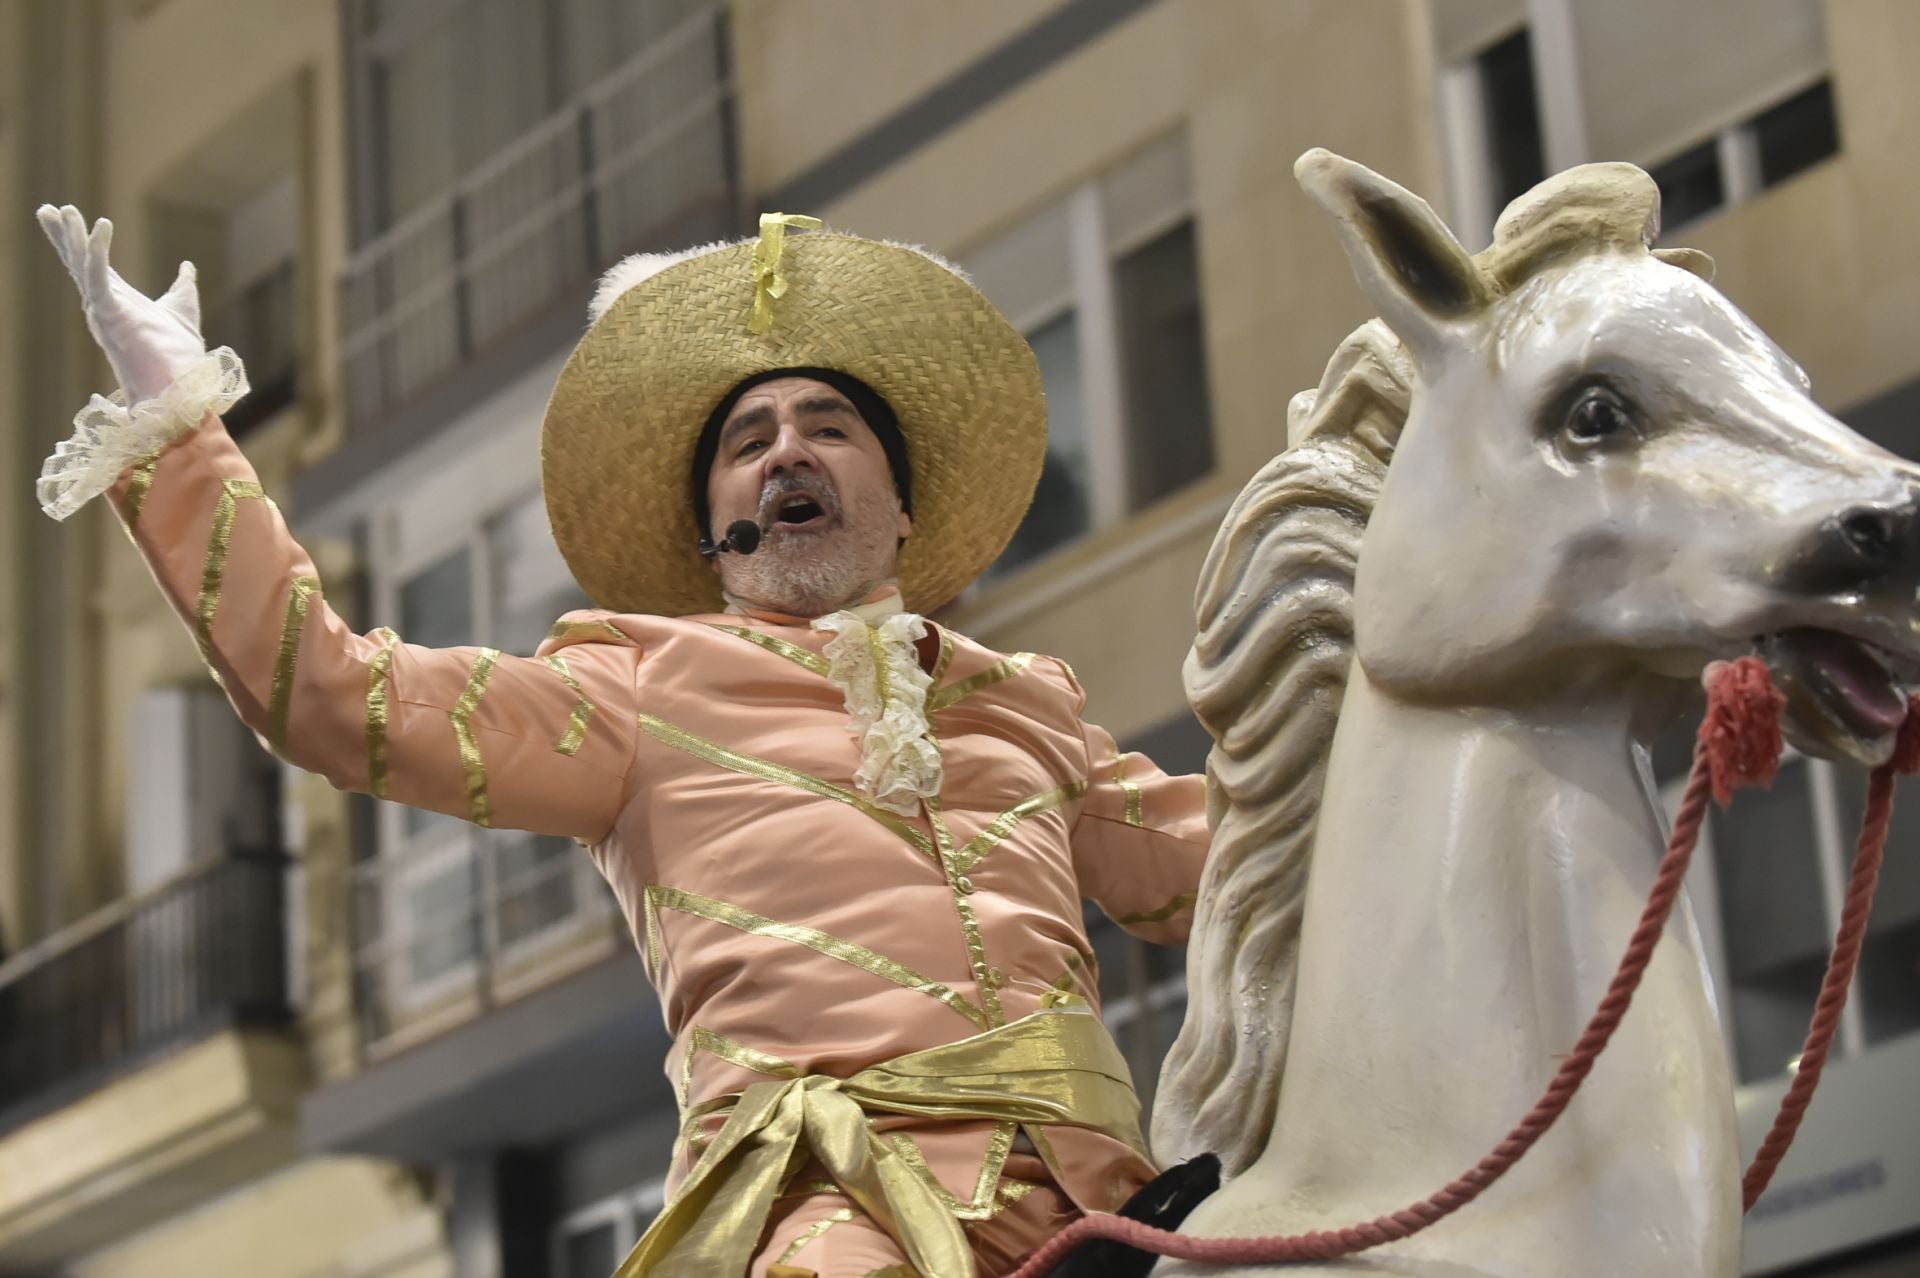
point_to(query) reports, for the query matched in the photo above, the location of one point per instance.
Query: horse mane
(1269, 666)
(1266, 675)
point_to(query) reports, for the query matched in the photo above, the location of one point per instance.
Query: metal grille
(202, 953)
(642, 154)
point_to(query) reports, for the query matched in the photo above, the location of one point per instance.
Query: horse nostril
(1873, 532)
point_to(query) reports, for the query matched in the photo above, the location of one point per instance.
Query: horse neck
(1474, 880)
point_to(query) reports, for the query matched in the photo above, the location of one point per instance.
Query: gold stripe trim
(1002, 825)
(945, 658)
(479, 802)
(1002, 670)
(1070, 977)
(744, 920)
(767, 770)
(651, 916)
(599, 628)
(1162, 914)
(779, 647)
(219, 543)
(983, 971)
(379, 681)
(986, 1203)
(582, 709)
(139, 483)
(812, 1232)
(1131, 790)
(734, 1052)
(292, 631)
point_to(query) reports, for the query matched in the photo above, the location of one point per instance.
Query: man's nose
(788, 451)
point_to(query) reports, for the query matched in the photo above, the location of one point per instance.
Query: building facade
(234, 1003)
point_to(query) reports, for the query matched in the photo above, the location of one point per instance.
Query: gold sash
(1058, 1065)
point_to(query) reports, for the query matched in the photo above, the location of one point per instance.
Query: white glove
(149, 343)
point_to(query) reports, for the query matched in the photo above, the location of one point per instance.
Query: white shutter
(1463, 28)
(1656, 77)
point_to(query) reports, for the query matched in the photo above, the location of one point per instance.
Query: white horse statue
(1432, 685)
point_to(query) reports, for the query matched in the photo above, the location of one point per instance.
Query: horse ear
(1408, 263)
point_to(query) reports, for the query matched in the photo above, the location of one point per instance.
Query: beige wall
(815, 75)
(1276, 291)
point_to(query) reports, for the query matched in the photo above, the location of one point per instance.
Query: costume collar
(884, 602)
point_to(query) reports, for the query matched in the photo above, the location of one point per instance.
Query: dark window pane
(1062, 509)
(1163, 353)
(1796, 134)
(1887, 989)
(1773, 918)
(1513, 117)
(1690, 184)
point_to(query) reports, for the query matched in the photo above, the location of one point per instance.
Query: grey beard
(803, 585)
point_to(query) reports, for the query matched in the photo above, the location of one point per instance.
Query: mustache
(797, 483)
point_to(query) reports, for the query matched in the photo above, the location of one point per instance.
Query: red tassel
(1741, 731)
(1906, 748)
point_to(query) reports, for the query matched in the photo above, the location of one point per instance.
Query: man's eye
(750, 445)
(833, 431)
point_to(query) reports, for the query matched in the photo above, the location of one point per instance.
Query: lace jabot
(873, 660)
(109, 435)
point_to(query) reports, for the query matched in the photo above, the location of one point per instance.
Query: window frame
(404, 860)
(1093, 254)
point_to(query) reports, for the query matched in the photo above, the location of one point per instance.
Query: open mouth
(1845, 696)
(799, 511)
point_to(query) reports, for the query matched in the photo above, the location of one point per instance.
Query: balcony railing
(640, 159)
(446, 931)
(202, 953)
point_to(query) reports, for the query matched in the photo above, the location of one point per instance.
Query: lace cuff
(109, 436)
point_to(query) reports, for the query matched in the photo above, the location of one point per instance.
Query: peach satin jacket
(789, 926)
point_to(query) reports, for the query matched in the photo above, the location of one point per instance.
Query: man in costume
(851, 845)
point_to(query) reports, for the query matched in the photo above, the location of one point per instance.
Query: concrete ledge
(176, 1134)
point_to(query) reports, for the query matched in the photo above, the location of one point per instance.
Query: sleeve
(536, 744)
(1140, 841)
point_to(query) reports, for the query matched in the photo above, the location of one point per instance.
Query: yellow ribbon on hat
(1054, 1066)
(768, 283)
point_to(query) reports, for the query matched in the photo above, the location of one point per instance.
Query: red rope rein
(1739, 744)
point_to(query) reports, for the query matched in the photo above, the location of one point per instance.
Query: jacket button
(965, 884)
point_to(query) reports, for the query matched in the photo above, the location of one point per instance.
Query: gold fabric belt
(1056, 1066)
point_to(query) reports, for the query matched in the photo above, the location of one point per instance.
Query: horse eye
(1598, 415)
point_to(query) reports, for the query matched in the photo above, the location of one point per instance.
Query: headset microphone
(743, 538)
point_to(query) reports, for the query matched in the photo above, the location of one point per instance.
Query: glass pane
(1163, 349)
(441, 921)
(531, 584)
(1773, 917)
(1887, 987)
(1797, 134)
(1512, 113)
(589, 1253)
(1062, 509)
(533, 882)
(436, 611)
(1690, 184)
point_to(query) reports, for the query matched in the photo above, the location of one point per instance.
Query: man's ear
(1409, 265)
(906, 525)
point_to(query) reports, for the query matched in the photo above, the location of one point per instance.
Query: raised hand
(148, 341)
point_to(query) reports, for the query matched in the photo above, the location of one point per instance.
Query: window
(591, 1242)
(1749, 157)
(504, 151)
(1106, 286)
(1767, 884)
(450, 898)
(1529, 87)
(232, 207)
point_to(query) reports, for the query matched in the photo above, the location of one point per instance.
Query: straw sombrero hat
(673, 334)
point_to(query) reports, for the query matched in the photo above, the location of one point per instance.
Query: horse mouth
(1846, 697)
